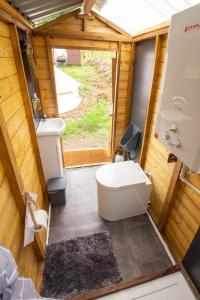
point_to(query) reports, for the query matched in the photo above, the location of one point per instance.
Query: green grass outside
(96, 122)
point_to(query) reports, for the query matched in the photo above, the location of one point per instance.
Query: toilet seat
(121, 175)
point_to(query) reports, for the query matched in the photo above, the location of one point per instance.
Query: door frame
(117, 51)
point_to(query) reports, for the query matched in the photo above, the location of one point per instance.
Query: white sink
(52, 126)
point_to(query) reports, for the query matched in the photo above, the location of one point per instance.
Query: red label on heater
(192, 27)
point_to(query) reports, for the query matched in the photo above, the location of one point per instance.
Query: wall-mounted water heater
(178, 119)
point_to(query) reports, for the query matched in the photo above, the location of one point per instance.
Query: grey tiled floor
(136, 245)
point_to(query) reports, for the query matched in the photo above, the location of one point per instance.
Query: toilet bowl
(123, 190)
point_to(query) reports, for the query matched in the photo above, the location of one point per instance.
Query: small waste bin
(131, 137)
(56, 190)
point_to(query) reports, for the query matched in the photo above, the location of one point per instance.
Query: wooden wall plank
(27, 105)
(169, 200)
(6, 47)
(11, 105)
(13, 174)
(59, 28)
(8, 87)
(14, 124)
(8, 160)
(58, 20)
(18, 138)
(52, 75)
(7, 67)
(4, 30)
(128, 56)
(115, 102)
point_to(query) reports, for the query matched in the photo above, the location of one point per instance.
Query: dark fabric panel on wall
(191, 261)
(142, 78)
(29, 75)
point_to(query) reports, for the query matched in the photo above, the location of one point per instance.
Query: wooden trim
(84, 24)
(57, 20)
(36, 75)
(14, 14)
(14, 177)
(83, 35)
(151, 32)
(115, 104)
(170, 197)
(27, 104)
(4, 16)
(114, 70)
(158, 46)
(52, 74)
(171, 248)
(87, 165)
(128, 284)
(83, 16)
(114, 63)
(62, 151)
(110, 24)
(39, 276)
(130, 86)
(85, 19)
(87, 6)
(151, 35)
(58, 46)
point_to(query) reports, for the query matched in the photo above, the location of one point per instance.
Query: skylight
(136, 15)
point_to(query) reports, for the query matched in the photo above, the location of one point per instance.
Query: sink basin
(52, 126)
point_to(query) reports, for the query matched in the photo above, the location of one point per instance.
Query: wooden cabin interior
(26, 67)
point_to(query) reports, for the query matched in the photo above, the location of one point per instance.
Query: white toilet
(123, 190)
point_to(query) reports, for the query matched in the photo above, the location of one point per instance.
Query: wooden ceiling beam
(96, 36)
(152, 32)
(87, 6)
(4, 5)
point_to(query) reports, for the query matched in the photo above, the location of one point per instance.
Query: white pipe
(48, 226)
(183, 178)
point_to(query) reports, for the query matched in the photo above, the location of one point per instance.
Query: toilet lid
(121, 174)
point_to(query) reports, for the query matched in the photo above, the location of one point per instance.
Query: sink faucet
(44, 117)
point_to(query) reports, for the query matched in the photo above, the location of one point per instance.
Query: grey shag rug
(79, 266)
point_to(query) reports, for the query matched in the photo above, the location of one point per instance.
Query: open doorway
(84, 88)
